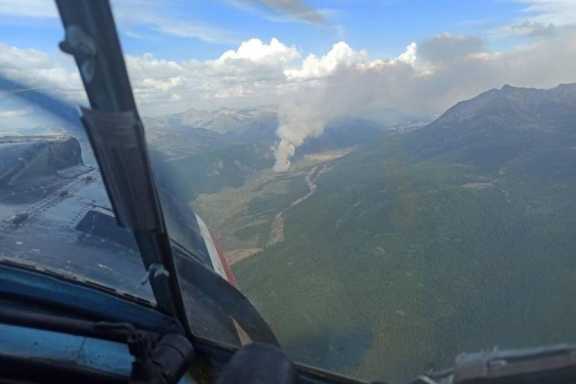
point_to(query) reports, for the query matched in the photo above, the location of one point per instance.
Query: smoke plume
(425, 80)
(326, 88)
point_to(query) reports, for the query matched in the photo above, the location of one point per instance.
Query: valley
(389, 259)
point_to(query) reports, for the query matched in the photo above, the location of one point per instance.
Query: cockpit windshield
(54, 211)
(389, 183)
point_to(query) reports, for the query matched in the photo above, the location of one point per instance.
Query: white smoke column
(327, 87)
(304, 113)
(296, 123)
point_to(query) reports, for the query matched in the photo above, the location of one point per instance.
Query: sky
(313, 60)
(184, 29)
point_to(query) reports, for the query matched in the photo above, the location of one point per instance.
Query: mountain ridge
(522, 99)
(451, 238)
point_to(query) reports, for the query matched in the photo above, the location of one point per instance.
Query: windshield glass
(54, 211)
(390, 183)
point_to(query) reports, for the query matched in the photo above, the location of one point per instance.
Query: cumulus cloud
(39, 70)
(251, 74)
(341, 55)
(257, 52)
(409, 55)
(23, 71)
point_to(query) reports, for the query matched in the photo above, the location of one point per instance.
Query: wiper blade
(117, 136)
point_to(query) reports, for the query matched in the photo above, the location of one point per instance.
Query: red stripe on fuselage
(229, 274)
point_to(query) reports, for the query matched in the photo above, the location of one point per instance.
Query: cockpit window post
(117, 136)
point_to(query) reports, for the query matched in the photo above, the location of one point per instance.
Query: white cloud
(427, 78)
(39, 70)
(131, 14)
(409, 55)
(251, 74)
(29, 70)
(131, 18)
(258, 72)
(28, 8)
(147, 9)
(540, 19)
(258, 52)
(528, 29)
(545, 12)
(295, 9)
(341, 55)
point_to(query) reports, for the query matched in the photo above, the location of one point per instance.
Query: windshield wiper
(116, 134)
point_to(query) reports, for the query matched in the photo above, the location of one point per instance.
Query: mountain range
(205, 151)
(394, 256)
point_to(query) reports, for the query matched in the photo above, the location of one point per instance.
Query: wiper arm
(117, 136)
